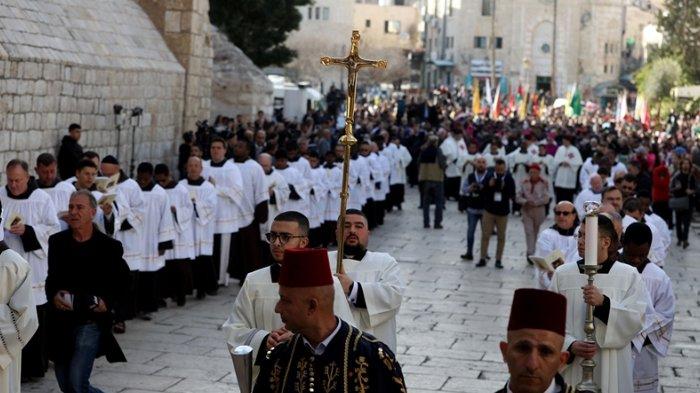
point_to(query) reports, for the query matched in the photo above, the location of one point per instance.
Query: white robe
(275, 183)
(131, 206)
(377, 177)
(466, 166)
(400, 159)
(294, 178)
(365, 174)
(518, 163)
(565, 176)
(38, 212)
(356, 190)
(658, 327)
(18, 319)
(254, 190)
(334, 184)
(60, 196)
(204, 200)
(452, 149)
(302, 165)
(624, 286)
(183, 244)
(618, 167)
(228, 182)
(661, 228)
(657, 252)
(318, 198)
(158, 228)
(385, 166)
(584, 196)
(588, 169)
(253, 315)
(547, 241)
(383, 286)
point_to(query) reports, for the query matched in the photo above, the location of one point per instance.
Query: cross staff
(353, 63)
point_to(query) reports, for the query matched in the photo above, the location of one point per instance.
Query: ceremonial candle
(591, 254)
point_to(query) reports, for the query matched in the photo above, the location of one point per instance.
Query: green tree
(656, 79)
(680, 24)
(259, 27)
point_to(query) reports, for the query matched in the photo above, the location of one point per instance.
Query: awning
(442, 63)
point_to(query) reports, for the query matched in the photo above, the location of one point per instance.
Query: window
(606, 48)
(392, 27)
(399, 2)
(485, 7)
(605, 68)
(326, 13)
(368, 23)
(449, 42)
(311, 12)
(499, 42)
(480, 42)
(318, 13)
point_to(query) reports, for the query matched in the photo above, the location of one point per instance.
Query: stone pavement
(450, 324)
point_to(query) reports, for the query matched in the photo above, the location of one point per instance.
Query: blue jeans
(433, 192)
(473, 219)
(74, 376)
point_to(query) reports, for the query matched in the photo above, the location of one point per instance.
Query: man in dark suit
(87, 276)
(536, 329)
(497, 194)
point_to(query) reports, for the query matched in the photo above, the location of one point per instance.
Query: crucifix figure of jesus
(353, 63)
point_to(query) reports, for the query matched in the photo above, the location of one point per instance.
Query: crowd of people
(244, 193)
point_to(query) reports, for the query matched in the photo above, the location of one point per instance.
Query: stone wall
(184, 24)
(66, 61)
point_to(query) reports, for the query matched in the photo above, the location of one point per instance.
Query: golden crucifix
(353, 63)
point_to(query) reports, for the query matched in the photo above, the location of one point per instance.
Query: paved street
(450, 324)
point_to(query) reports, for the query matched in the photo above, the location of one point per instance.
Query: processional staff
(353, 63)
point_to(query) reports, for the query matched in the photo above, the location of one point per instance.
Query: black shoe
(488, 258)
(468, 256)
(499, 265)
(145, 316)
(426, 226)
(482, 263)
(438, 226)
(685, 245)
(529, 262)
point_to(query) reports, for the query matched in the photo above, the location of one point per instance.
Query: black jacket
(558, 380)
(69, 155)
(91, 268)
(475, 198)
(505, 186)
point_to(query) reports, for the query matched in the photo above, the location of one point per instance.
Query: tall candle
(591, 254)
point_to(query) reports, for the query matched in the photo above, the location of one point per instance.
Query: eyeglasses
(283, 237)
(556, 213)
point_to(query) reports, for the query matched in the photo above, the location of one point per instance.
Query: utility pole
(493, 43)
(552, 85)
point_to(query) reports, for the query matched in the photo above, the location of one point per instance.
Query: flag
(468, 81)
(511, 103)
(576, 107)
(621, 106)
(496, 106)
(504, 85)
(533, 105)
(522, 104)
(476, 98)
(488, 92)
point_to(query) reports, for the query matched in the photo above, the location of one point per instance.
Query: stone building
(71, 61)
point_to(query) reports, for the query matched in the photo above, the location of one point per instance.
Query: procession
(342, 242)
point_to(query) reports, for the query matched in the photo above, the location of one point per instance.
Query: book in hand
(547, 263)
(105, 184)
(107, 199)
(13, 219)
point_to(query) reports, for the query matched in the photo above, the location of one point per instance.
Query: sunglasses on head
(560, 213)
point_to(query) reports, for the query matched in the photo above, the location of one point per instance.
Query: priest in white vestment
(653, 342)
(203, 197)
(452, 148)
(253, 320)
(29, 219)
(277, 189)
(620, 299)
(372, 281)
(334, 183)
(592, 192)
(158, 237)
(317, 198)
(178, 260)
(634, 213)
(518, 163)
(299, 186)
(18, 317)
(48, 180)
(296, 161)
(567, 160)
(107, 216)
(588, 169)
(227, 179)
(559, 237)
(400, 160)
(356, 179)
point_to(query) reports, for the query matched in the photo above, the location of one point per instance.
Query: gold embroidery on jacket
(331, 372)
(361, 375)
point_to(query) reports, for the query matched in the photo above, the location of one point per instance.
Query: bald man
(203, 196)
(559, 236)
(592, 193)
(278, 189)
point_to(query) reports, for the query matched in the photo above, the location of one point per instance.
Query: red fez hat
(305, 267)
(535, 166)
(538, 309)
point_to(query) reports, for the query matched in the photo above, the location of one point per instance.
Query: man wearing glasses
(559, 236)
(253, 321)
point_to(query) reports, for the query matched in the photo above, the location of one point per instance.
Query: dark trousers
(368, 211)
(379, 211)
(328, 233)
(178, 279)
(74, 375)
(433, 192)
(564, 194)
(35, 355)
(203, 274)
(148, 292)
(315, 237)
(683, 218)
(452, 187)
(126, 307)
(661, 208)
(244, 256)
(396, 196)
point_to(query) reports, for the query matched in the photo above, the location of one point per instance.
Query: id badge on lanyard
(497, 197)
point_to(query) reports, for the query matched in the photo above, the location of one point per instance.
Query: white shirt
(321, 347)
(551, 389)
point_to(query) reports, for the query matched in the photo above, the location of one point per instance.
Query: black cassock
(352, 362)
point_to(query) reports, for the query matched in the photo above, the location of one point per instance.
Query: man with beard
(253, 320)
(559, 236)
(533, 350)
(371, 281)
(252, 211)
(653, 342)
(325, 351)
